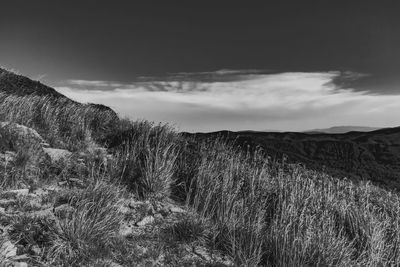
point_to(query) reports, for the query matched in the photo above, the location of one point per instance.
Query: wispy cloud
(243, 100)
(93, 83)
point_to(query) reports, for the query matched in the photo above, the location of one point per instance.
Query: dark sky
(114, 40)
(121, 40)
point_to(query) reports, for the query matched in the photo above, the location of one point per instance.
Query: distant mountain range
(342, 129)
(373, 156)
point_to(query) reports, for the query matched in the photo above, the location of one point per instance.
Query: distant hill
(342, 129)
(371, 156)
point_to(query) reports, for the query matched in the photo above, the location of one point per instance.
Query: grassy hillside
(373, 156)
(56, 117)
(159, 198)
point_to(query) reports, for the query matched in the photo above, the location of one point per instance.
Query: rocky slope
(43, 198)
(67, 200)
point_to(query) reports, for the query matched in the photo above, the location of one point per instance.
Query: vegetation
(62, 122)
(237, 204)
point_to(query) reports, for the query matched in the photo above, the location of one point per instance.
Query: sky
(213, 65)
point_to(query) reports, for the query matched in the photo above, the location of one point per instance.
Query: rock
(2, 211)
(40, 192)
(124, 210)
(20, 264)
(53, 188)
(162, 209)
(158, 216)
(114, 264)
(7, 202)
(35, 203)
(150, 210)
(175, 209)
(133, 204)
(35, 249)
(146, 220)
(61, 183)
(8, 250)
(72, 182)
(21, 257)
(22, 139)
(18, 192)
(43, 213)
(125, 230)
(44, 144)
(21, 133)
(56, 154)
(7, 157)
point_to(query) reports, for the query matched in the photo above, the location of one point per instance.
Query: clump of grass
(187, 230)
(145, 161)
(28, 231)
(229, 191)
(90, 229)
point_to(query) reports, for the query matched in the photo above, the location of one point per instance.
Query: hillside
(53, 115)
(373, 156)
(19, 85)
(79, 187)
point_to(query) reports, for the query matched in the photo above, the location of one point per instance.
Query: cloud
(87, 83)
(244, 100)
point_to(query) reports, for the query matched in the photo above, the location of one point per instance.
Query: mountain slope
(52, 114)
(371, 156)
(14, 84)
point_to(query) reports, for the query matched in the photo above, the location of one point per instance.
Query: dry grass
(89, 231)
(261, 212)
(284, 215)
(60, 121)
(145, 161)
